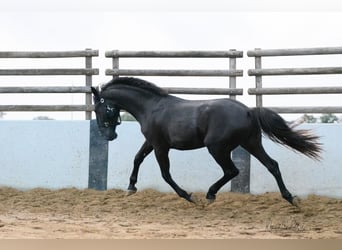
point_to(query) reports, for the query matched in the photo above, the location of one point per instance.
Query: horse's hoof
(295, 201)
(192, 198)
(210, 198)
(130, 192)
(210, 201)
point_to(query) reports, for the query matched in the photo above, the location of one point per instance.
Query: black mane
(135, 82)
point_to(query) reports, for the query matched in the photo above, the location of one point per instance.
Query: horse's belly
(186, 146)
(185, 142)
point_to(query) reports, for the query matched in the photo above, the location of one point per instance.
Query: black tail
(274, 126)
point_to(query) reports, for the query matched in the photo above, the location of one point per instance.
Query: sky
(165, 25)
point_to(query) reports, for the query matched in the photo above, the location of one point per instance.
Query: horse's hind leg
(145, 149)
(257, 150)
(222, 157)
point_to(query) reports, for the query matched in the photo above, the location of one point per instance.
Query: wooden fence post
(89, 82)
(258, 80)
(232, 79)
(115, 61)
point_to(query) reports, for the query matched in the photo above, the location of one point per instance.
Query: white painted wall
(49, 154)
(302, 175)
(55, 154)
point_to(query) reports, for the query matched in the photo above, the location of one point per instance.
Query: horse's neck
(138, 103)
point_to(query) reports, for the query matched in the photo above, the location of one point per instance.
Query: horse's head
(107, 115)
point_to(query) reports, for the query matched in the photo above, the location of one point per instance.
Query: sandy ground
(89, 214)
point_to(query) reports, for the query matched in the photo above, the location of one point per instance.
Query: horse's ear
(96, 94)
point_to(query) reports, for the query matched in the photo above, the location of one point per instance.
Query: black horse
(220, 125)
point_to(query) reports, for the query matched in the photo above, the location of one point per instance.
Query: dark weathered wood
(295, 71)
(258, 81)
(295, 52)
(57, 89)
(295, 91)
(88, 83)
(307, 110)
(170, 72)
(35, 72)
(232, 79)
(88, 71)
(46, 108)
(115, 62)
(173, 54)
(204, 91)
(48, 54)
(258, 72)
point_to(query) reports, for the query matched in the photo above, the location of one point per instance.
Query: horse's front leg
(164, 164)
(145, 150)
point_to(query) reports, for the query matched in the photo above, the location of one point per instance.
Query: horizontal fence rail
(48, 54)
(156, 72)
(88, 71)
(232, 72)
(38, 90)
(295, 71)
(174, 90)
(46, 72)
(204, 91)
(175, 54)
(295, 91)
(307, 110)
(295, 52)
(46, 108)
(259, 72)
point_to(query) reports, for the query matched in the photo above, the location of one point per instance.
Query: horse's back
(225, 112)
(224, 120)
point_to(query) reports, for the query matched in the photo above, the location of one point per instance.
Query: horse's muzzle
(112, 137)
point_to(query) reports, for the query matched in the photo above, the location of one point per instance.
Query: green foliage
(309, 119)
(125, 116)
(324, 118)
(42, 118)
(328, 118)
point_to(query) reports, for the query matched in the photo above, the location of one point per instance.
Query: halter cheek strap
(112, 110)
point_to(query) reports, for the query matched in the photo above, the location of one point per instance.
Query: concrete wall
(55, 154)
(302, 175)
(50, 154)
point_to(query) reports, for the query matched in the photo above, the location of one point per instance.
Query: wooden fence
(87, 71)
(231, 72)
(259, 72)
